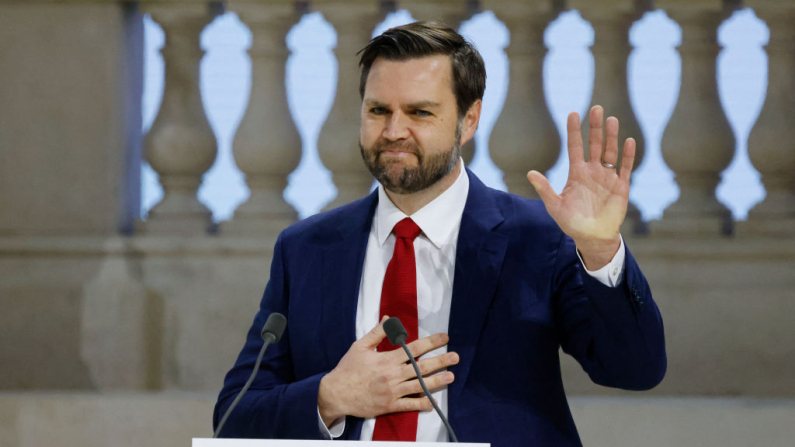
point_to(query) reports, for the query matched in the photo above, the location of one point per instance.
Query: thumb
(544, 189)
(372, 339)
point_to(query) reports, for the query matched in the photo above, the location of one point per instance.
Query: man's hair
(422, 39)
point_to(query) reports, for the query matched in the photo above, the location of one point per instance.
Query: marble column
(338, 145)
(180, 145)
(525, 136)
(611, 49)
(698, 143)
(771, 145)
(451, 13)
(267, 146)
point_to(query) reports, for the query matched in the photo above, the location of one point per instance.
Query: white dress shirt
(434, 250)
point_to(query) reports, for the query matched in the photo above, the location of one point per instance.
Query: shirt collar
(437, 220)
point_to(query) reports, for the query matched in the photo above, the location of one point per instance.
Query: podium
(208, 442)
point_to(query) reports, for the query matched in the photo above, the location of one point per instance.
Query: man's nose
(397, 127)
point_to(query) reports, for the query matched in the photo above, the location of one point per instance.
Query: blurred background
(151, 152)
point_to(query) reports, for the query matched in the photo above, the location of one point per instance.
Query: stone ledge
(121, 420)
(745, 248)
(89, 2)
(88, 246)
(690, 421)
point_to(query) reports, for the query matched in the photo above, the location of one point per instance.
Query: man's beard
(430, 168)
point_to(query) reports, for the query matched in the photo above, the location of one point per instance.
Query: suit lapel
(479, 255)
(343, 260)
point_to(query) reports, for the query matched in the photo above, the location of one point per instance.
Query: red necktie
(399, 299)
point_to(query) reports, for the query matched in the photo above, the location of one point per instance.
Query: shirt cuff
(334, 430)
(611, 274)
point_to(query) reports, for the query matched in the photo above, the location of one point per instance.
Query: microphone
(271, 333)
(274, 328)
(397, 335)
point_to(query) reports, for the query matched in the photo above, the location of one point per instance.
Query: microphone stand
(397, 336)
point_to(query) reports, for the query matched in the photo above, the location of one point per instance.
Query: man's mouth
(397, 153)
(397, 150)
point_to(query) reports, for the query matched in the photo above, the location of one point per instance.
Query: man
(489, 285)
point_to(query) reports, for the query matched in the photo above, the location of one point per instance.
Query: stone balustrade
(698, 143)
(697, 146)
(166, 308)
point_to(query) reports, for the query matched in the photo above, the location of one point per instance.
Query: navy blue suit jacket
(519, 295)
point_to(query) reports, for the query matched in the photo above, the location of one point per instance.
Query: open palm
(593, 204)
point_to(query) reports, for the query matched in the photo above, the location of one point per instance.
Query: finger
(372, 339)
(410, 404)
(574, 143)
(544, 189)
(430, 365)
(421, 346)
(611, 146)
(433, 382)
(595, 136)
(628, 160)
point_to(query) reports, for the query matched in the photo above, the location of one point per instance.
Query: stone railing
(166, 307)
(698, 143)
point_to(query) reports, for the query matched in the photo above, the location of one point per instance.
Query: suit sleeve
(277, 405)
(615, 333)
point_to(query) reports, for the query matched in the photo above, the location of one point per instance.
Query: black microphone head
(395, 331)
(274, 326)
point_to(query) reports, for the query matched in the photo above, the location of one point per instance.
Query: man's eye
(423, 113)
(378, 110)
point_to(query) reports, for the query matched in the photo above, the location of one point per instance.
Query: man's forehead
(424, 74)
(433, 60)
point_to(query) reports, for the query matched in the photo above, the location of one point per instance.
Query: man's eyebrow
(414, 105)
(424, 105)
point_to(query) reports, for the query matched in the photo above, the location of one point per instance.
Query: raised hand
(593, 204)
(367, 383)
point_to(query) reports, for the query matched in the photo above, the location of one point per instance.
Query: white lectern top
(204, 442)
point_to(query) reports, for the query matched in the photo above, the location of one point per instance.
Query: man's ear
(471, 121)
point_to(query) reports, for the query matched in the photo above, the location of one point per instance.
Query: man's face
(410, 132)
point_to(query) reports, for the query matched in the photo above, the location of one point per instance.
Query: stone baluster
(771, 145)
(354, 21)
(452, 13)
(698, 143)
(267, 146)
(611, 22)
(180, 145)
(524, 137)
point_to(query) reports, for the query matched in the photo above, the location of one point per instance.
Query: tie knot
(407, 229)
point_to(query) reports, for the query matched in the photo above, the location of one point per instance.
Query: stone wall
(69, 125)
(171, 313)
